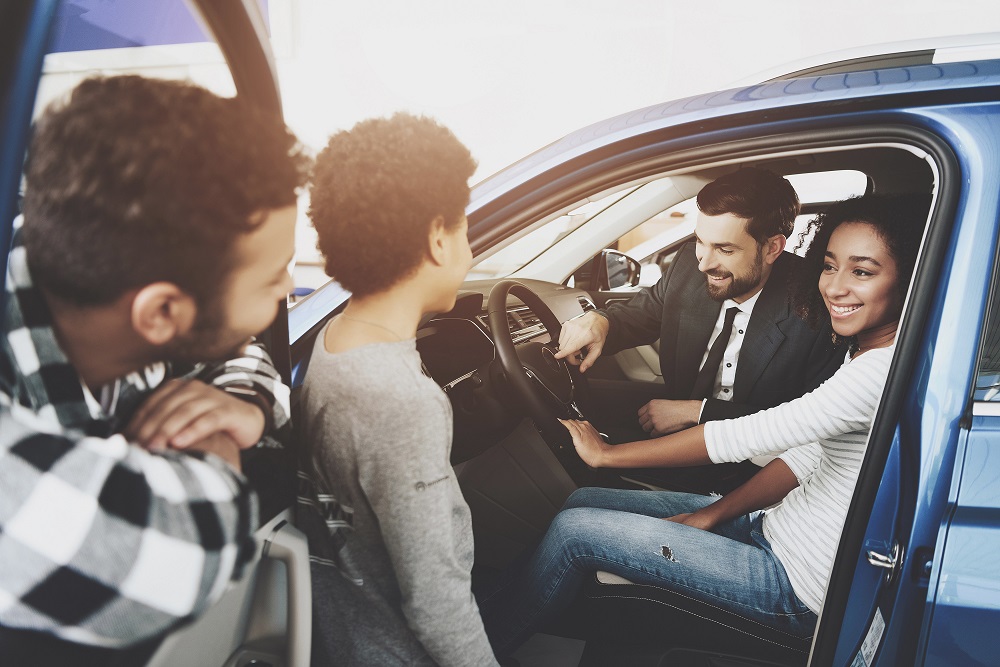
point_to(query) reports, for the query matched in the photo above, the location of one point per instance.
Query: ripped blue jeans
(623, 532)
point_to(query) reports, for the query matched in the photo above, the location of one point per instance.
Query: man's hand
(588, 442)
(702, 520)
(184, 412)
(661, 417)
(589, 331)
(222, 445)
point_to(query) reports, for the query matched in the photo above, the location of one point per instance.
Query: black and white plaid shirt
(102, 542)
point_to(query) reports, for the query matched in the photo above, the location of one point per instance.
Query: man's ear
(774, 247)
(436, 241)
(162, 311)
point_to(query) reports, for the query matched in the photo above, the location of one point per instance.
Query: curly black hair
(133, 180)
(767, 201)
(377, 187)
(898, 220)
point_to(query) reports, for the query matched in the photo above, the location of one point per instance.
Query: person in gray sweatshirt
(390, 533)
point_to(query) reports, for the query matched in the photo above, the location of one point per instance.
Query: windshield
(531, 245)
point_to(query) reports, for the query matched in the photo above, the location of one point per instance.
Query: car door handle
(890, 562)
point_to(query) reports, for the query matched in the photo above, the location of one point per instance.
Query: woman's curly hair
(377, 187)
(134, 180)
(898, 220)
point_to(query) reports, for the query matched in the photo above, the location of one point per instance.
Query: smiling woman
(862, 247)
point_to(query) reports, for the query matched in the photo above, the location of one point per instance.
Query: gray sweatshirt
(398, 591)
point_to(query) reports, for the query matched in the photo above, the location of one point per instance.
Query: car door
(912, 583)
(267, 616)
(23, 29)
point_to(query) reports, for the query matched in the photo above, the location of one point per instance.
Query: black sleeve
(716, 409)
(638, 322)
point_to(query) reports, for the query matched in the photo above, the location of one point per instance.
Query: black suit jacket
(782, 358)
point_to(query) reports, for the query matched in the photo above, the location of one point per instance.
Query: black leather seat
(612, 609)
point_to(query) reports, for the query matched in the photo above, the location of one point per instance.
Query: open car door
(266, 618)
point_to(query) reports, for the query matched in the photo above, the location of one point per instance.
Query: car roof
(927, 51)
(922, 81)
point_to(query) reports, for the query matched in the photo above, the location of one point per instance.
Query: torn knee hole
(668, 553)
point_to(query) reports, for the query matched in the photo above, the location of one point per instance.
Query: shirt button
(741, 330)
(725, 391)
(729, 365)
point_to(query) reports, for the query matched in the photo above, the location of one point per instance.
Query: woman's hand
(701, 520)
(588, 442)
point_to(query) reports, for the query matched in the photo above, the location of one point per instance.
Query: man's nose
(706, 262)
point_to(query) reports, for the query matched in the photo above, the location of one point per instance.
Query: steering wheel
(546, 388)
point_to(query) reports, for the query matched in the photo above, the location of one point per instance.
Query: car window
(987, 386)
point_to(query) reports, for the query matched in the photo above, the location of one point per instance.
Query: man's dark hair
(898, 220)
(377, 187)
(133, 181)
(765, 200)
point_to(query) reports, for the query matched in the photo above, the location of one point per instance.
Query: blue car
(586, 222)
(916, 580)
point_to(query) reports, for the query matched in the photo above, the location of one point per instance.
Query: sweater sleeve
(411, 487)
(803, 461)
(843, 404)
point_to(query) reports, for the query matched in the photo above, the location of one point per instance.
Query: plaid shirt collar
(42, 378)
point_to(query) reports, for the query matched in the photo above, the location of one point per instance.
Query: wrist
(712, 515)
(602, 322)
(253, 397)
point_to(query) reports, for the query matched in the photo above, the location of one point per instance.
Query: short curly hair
(133, 180)
(376, 189)
(898, 220)
(764, 199)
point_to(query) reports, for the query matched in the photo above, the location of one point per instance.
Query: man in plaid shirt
(157, 230)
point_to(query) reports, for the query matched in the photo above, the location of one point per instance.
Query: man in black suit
(730, 344)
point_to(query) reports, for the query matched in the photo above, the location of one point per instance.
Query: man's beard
(208, 341)
(739, 285)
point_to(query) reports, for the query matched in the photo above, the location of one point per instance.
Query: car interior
(514, 462)
(571, 250)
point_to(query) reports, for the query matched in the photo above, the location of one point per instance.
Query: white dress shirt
(724, 379)
(726, 376)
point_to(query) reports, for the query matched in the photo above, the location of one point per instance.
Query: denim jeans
(623, 532)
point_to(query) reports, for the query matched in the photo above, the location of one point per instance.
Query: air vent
(522, 323)
(586, 304)
(525, 318)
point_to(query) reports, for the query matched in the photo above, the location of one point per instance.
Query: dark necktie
(704, 384)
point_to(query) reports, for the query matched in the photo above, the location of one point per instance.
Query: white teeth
(843, 310)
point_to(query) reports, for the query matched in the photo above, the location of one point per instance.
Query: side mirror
(609, 270)
(620, 270)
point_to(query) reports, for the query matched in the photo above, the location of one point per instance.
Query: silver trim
(460, 379)
(889, 562)
(985, 409)
(572, 387)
